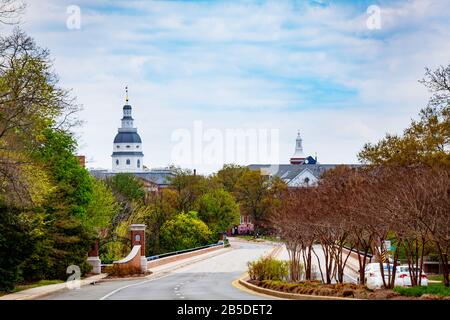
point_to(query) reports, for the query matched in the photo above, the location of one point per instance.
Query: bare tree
(10, 11)
(290, 221)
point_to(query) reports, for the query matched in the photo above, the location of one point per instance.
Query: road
(210, 278)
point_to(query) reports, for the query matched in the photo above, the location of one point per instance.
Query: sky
(342, 72)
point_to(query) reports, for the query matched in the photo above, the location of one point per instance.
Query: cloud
(311, 65)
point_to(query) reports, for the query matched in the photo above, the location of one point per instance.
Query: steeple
(298, 157)
(127, 153)
(127, 119)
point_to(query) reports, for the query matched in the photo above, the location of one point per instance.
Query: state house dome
(127, 153)
(127, 137)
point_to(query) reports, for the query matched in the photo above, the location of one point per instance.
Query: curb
(285, 295)
(38, 292)
(278, 294)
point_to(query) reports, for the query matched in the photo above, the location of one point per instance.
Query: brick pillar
(137, 233)
(94, 259)
(94, 249)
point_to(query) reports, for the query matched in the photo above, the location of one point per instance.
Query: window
(128, 161)
(117, 161)
(139, 163)
(128, 147)
(137, 147)
(306, 180)
(118, 147)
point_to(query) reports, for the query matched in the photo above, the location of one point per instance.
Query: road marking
(132, 285)
(272, 252)
(238, 286)
(167, 273)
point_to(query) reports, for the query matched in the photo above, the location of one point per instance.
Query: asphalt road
(207, 279)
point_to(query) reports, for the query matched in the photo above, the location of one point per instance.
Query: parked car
(405, 277)
(373, 279)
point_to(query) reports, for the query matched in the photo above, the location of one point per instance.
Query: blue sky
(287, 65)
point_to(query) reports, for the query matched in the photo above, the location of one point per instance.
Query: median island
(272, 277)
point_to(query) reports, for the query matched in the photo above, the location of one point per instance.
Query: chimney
(82, 160)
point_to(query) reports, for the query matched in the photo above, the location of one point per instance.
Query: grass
(22, 287)
(437, 289)
(436, 278)
(40, 283)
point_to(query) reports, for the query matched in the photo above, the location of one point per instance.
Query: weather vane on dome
(126, 91)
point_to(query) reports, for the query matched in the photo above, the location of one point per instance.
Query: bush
(184, 231)
(268, 269)
(16, 245)
(433, 289)
(122, 271)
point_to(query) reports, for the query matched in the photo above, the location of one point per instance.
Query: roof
(127, 153)
(288, 172)
(159, 177)
(127, 137)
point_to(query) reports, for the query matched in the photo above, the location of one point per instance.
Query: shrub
(268, 269)
(433, 289)
(122, 270)
(184, 231)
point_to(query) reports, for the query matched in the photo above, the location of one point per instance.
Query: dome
(127, 106)
(127, 137)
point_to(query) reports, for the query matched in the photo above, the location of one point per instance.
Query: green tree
(219, 210)
(126, 186)
(44, 193)
(184, 231)
(189, 187)
(16, 245)
(229, 175)
(30, 102)
(161, 206)
(67, 236)
(102, 208)
(257, 195)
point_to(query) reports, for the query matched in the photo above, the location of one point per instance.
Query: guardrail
(174, 253)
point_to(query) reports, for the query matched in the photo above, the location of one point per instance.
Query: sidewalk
(38, 292)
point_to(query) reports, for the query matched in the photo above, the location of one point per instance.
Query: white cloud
(241, 64)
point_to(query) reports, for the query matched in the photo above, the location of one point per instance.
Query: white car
(404, 277)
(373, 279)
